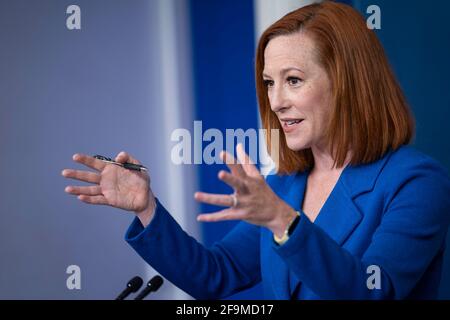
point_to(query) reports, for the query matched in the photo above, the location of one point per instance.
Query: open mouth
(290, 124)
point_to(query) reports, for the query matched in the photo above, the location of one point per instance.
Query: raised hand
(253, 200)
(112, 184)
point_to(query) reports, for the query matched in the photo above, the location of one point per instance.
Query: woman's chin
(296, 145)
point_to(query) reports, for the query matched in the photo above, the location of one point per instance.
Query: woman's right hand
(113, 185)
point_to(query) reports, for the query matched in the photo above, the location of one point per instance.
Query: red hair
(370, 115)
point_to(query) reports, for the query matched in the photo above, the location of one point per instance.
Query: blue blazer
(389, 216)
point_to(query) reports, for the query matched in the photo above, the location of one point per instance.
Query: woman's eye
(268, 83)
(294, 81)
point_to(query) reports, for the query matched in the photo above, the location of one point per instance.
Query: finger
(214, 199)
(81, 190)
(232, 164)
(246, 161)
(123, 157)
(223, 215)
(93, 199)
(85, 176)
(233, 181)
(89, 161)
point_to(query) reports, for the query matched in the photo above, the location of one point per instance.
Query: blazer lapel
(339, 216)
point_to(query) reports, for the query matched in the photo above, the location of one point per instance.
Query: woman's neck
(324, 163)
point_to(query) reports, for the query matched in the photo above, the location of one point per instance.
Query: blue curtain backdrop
(415, 37)
(223, 50)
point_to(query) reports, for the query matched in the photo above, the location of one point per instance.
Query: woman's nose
(278, 100)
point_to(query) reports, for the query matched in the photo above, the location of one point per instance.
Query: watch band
(289, 229)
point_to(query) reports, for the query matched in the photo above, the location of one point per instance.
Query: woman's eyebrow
(284, 70)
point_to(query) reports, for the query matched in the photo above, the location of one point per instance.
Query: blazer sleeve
(411, 234)
(227, 267)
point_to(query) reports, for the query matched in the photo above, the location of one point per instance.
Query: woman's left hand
(252, 201)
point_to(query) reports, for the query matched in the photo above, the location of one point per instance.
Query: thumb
(123, 157)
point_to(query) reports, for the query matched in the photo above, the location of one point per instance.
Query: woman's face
(299, 90)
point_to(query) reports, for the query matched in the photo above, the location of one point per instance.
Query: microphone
(154, 284)
(132, 286)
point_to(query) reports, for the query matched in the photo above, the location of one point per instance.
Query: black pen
(126, 165)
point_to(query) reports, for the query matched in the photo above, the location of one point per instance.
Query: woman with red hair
(352, 212)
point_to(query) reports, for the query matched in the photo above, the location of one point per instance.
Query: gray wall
(94, 90)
